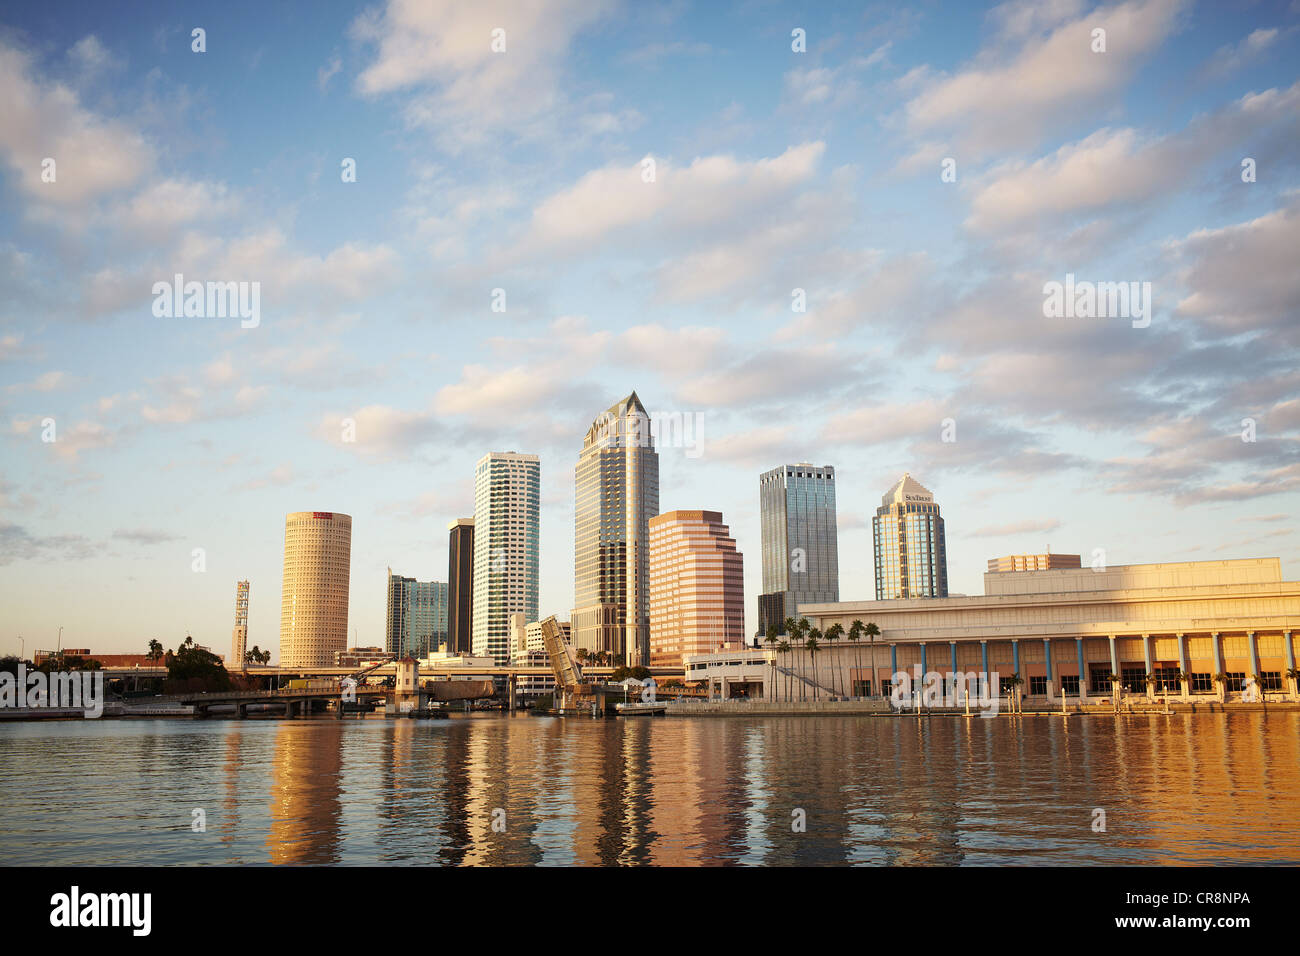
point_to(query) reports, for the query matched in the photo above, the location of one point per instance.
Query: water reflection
(491, 790)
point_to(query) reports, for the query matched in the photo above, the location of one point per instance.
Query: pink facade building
(697, 588)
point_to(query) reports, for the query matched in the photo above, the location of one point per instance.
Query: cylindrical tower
(314, 598)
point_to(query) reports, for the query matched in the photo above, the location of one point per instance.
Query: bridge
(299, 700)
(434, 672)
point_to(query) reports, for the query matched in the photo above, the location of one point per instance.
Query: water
(1198, 789)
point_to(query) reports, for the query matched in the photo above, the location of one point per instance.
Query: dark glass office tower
(617, 487)
(801, 558)
(460, 585)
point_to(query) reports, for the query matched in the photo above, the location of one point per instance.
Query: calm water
(1184, 789)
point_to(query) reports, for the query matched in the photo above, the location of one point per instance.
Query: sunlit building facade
(911, 555)
(1034, 562)
(697, 586)
(507, 499)
(801, 563)
(617, 493)
(239, 637)
(314, 596)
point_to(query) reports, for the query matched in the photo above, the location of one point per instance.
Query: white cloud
(1243, 278)
(94, 156)
(441, 52)
(379, 431)
(1009, 98)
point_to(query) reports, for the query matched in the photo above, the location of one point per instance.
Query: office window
(1070, 683)
(1271, 680)
(1202, 683)
(1037, 686)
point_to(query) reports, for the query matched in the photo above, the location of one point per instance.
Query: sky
(652, 188)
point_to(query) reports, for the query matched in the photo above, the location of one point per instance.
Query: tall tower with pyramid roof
(617, 488)
(910, 550)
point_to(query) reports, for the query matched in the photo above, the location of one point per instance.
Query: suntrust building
(1185, 630)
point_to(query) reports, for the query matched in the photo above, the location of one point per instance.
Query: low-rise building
(1034, 562)
(1185, 630)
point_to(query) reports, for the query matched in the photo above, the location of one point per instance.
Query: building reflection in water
(305, 786)
(874, 791)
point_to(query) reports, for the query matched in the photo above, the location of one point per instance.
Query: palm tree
(873, 632)
(1015, 681)
(771, 642)
(855, 635)
(813, 647)
(832, 635)
(804, 630)
(796, 631)
(1294, 674)
(155, 651)
(1221, 679)
(783, 649)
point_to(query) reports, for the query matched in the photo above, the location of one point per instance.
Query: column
(893, 662)
(1047, 656)
(953, 646)
(924, 669)
(1083, 674)
(1218, 665)
(984, 677)
(1290, 661)
(1184, 682)
(1146, 656)
(1015, 669)
(1254, 653)
(1114, 664)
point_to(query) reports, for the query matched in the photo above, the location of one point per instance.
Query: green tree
(872, 632)
(833, 634)
(193, 668)
(783, 649)
(155, 653)
(771, 643)
(813, 647)
(855, 635)
(801, 640)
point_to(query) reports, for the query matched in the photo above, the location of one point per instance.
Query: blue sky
(521, 170)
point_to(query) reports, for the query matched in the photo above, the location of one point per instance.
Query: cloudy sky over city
(916, 175)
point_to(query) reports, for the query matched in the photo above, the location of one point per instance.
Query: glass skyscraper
(907, 531)
(801, 557)
(617, 488)
(417, 616)
(507, 498)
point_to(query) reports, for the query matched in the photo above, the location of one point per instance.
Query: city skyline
(792, 274)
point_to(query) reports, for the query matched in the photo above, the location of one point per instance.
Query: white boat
(638, 709)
